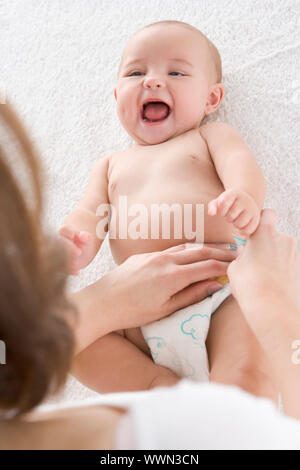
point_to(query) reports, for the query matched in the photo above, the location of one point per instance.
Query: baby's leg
(114, 364)
(235, 356)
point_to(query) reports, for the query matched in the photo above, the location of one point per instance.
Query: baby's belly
(205, 229)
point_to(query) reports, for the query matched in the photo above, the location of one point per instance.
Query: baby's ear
(215, 98)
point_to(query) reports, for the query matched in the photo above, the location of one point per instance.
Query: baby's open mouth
(155, 111)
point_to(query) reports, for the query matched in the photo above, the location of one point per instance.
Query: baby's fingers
(75, 265)
(225, 202)
(67, 232)
(82, 238)
(249, 228)
(76, 252)
(74, 272)
(242, 221)
(221, 205)
(213, 207)
(72, 249)
(73, 254)
(234, 212)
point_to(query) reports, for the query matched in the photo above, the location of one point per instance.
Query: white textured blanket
(59, 62)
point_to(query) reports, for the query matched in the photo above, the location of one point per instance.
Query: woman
(43, 331)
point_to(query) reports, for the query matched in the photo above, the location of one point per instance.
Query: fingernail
(214, 288)
(195, 246)
(224, 246)
(240, 249)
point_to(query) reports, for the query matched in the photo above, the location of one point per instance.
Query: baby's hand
(239, 208)
(80, 248)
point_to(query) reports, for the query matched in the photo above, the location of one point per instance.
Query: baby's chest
(164, 177)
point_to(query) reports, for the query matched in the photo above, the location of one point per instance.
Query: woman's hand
(150, 286)
(268, 266)
(265, 279)
(147, 287)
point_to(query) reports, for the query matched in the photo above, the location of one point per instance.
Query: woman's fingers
(195, 254)
(202, 270)
(192, 294)
(219, 245)
(195, 245)
(269, 216)
(175, 248)
(268, 219)
(298, 271)
(268, 259)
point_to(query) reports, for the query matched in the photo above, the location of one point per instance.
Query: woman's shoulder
(77, 428)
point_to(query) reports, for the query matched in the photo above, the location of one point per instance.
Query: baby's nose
(153, 82)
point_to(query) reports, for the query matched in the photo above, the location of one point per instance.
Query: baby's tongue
(156, 111)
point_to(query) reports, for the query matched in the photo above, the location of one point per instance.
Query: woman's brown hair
(33, 306)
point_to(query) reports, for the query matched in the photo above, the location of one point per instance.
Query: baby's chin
(142, 139)
(155, 136)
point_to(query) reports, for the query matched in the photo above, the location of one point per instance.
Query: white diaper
(178, 341)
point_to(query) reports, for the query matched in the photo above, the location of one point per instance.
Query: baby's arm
(79, 228)
(114, 364)
(243, 180)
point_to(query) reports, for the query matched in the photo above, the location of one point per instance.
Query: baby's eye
(132, 74)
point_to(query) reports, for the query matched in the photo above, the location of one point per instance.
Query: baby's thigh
(134, 335)
(230, 342)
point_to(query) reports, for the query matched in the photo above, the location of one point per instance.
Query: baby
(169, 79)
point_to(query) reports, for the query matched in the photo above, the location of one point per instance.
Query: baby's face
(168, 64)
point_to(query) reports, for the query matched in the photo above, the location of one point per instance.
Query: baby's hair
(213, 51)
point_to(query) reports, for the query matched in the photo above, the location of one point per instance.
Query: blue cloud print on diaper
(186, 368)
(158, 345)
(194, 327)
